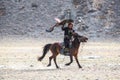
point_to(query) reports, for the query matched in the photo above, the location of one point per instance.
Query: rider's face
(70, 25)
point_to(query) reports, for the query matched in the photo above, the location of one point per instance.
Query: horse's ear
(80, 36)
(75, 34)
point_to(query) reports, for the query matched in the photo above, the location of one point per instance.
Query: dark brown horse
(56, 47)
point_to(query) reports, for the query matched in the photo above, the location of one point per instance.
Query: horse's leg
(71, 60)
(55, 62)
(50, 58)
(77, 62)
(55, 50)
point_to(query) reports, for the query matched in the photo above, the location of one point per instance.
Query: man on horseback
(72, 42)
(67, 27)
(68, 33)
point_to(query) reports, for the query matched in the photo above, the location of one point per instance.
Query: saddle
(64, 51)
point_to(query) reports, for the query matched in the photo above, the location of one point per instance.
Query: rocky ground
(100, 18)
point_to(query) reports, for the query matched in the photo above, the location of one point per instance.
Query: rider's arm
(63, 28)
(73, 32)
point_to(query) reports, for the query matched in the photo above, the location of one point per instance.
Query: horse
(55, 48)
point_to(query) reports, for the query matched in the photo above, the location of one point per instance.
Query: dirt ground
(18, 61)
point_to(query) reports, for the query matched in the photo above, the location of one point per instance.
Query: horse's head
(83, 39)
(80, 38)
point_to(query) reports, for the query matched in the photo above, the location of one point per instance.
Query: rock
(34, 5)
(29, 18)
(31, 65)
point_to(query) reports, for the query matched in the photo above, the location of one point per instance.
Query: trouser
(67, 42)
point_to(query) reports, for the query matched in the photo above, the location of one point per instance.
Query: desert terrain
(18, 61)
(23, 25)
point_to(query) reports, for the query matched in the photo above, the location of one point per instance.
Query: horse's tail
(45, 50)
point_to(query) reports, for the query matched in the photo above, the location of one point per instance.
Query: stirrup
(66, 50)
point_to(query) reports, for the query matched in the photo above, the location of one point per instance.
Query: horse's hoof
(58, 67)
(67, 64)
(80, 66)
(48, 65)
